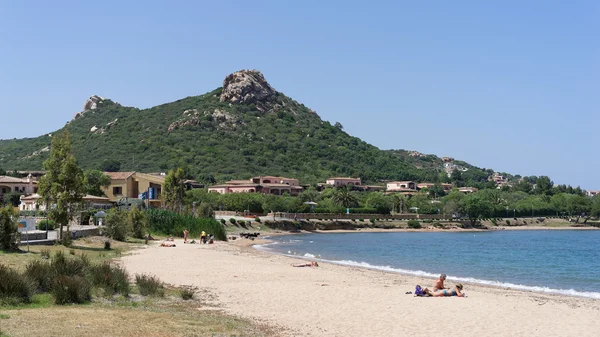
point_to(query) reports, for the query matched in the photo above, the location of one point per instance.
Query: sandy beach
(334, 300)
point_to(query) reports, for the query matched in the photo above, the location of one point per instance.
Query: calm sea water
(565, 261)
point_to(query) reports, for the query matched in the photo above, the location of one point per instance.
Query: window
(117, 190)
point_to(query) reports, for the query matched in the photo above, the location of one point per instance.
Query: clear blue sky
(510, 85)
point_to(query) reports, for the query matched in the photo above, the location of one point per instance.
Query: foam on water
(569, 292)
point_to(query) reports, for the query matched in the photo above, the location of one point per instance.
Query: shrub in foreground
(112, 278)
(40, 273)
(149, 285)
(65, 266)
(15, 288)
(9, 229)
(71, 289)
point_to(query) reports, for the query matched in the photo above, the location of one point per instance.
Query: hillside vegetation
(248, 130)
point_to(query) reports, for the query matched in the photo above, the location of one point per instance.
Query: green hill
(243, 129)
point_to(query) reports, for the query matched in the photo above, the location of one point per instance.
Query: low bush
(41, 274)
(45, 253)
(361, 220)
(107, 245)
(507, 222)
(187, 292)
(257, 219)
(15, 287)
(71, 289)
(46, 225)
(112, 278)
(232, 220)
(223, 222)
(149, 285)
(62, 265)
(414, 224)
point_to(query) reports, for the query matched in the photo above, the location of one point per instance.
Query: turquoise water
(562, 261)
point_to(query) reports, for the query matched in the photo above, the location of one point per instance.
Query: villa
(263, 184)
(338, 181)
(134, 185)
(35, 202)
(17, 185)
(402, 186)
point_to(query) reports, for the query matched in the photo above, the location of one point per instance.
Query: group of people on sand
(440, 290)
(204, 238)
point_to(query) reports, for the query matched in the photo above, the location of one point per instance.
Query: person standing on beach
(439, 284)
(185, 235)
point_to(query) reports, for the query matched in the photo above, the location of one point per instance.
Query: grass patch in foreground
(156, 317)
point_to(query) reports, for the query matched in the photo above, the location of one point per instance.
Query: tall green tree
(9, 230)
(138, 222)
(94, 181)
(476, 208)
(63, 182)
(174, 190)
(543, 185)
(343, 197)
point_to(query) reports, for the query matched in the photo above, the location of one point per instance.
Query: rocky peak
(90, 104)
(247, 86)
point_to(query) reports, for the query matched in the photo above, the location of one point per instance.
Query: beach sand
(334, 300)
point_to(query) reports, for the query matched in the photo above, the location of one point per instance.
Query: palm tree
(344, 198)
(398, 202)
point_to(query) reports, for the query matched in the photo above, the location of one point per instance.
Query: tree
(543, 185)
(476, 207)
(343, 197)
(174, 190)
(436, 191)
(63, 182)
(380, 202)
(94, 181)
(339, 125)
(12, 199)
(398, 203)
(2, 172)
(523, 186)
(9, 229)
(117, 224)
(138, 222)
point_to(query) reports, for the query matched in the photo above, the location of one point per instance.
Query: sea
(563, 262)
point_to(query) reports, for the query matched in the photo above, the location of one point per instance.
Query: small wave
(568, 292)
(310, 255)
(295, 241)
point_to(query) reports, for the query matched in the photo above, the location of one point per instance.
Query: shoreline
(262, 247)
(337, 300)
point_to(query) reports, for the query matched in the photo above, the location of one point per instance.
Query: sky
(508, 85)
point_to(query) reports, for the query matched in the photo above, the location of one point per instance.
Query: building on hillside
(267, 185)
(468, 189)
(135, 185)
(192, 185)
(446, 187)
(339, 181)
(275, 180)
(449, 167)
(592, 193)
(35, 202)
(401, 186)
(23, 186)
(499, 180)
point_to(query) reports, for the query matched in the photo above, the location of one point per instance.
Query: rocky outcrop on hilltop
(248, 87)
(192, 117)
(90, 104)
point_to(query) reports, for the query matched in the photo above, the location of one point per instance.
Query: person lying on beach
(439, 284)
(457, 291)
(170, 239)
(167, 244)
(312, 264)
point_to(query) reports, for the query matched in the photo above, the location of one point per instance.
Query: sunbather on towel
(167, 244)
(457, 291)
(312, 264)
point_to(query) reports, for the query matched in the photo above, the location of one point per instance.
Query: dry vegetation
(136, 315)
